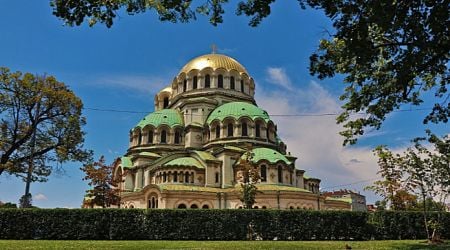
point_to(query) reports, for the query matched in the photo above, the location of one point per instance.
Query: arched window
(280, 174)
(166, 102)
(153, 202)
(175, 176)
(177, 137)
(205, 206)
(182, 206)
(220, 81)
(217, 177)
(230, 130)
(139, 138)
(232, 82)
(192, 177)
(163, 136)
(150, 136)
(217, 131)
(242, 86)
(244, 129)
(194, 83)
(186, 177)
(207, 81)
(263, 173)
(258, 130)
(184, 85)
(194, 206)
(164, 177)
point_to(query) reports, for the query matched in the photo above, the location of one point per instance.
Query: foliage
(104, 190)
(8, 205)
(26, 201)
(390, 53)
(423, 170)
(250, 177)
(40, 124)
(227, 224)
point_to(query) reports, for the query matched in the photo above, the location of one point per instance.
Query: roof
(206, 156)
(238, 110)
(169, 117)
(126, 162)
(214, 61)
(185, 161)
(267, 154)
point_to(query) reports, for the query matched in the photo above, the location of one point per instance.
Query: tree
(250, 177)
(424, 170)
(8, 205)
(390, 52)
(104, 191)
(40, 124)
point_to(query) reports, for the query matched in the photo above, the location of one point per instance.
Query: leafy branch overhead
(389, 52)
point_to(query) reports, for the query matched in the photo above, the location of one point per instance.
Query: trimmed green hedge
(137, 224)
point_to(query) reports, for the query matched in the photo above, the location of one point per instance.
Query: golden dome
(213, 61)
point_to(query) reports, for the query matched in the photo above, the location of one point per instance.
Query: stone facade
(186, 153)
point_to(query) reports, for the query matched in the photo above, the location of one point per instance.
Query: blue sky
(121, 68)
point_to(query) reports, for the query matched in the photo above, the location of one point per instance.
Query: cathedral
(187, 153)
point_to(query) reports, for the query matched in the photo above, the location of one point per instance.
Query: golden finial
(214, 48)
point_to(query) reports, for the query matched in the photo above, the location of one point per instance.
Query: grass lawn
(230, 245)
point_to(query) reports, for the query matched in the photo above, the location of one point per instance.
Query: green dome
(267, 154)
(238, 110)
(169, 117)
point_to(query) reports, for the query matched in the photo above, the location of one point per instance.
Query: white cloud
(315, 140)
(279, 77)
(40, 197)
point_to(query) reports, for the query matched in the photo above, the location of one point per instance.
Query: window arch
(182, 206)
(175, 176)
(166, 102)
(232, 82)
(217, 177)
(177, 137)
(230, 129)
(205, 207)
(242, 86)
(195, 82)
(280, 174)
(163, 136)
(194, 206)
(244, 131)
(186, 177)
(150, 136)
(139, 138)
(263, 173)
(220, 81)
(207, 81)
(164, 177)
(258, 130)
(184, 85)
(217, 131)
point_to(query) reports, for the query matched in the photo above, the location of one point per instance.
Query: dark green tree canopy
(389, 52)
(40, 121)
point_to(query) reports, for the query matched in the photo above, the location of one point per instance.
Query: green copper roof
(268, 154)
(237, 110)
(185, 161)
(169, 117)
(126, 162)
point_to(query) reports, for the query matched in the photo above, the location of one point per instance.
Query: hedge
(140, 224)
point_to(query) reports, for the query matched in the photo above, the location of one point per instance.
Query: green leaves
(40, 122)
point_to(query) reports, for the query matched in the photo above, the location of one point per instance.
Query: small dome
(267, 154)
(237, 110)
(213, 61)
(169, 117)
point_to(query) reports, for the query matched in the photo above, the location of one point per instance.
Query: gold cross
(214, 48)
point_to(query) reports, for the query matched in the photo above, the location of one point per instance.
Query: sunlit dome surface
(214, 61)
